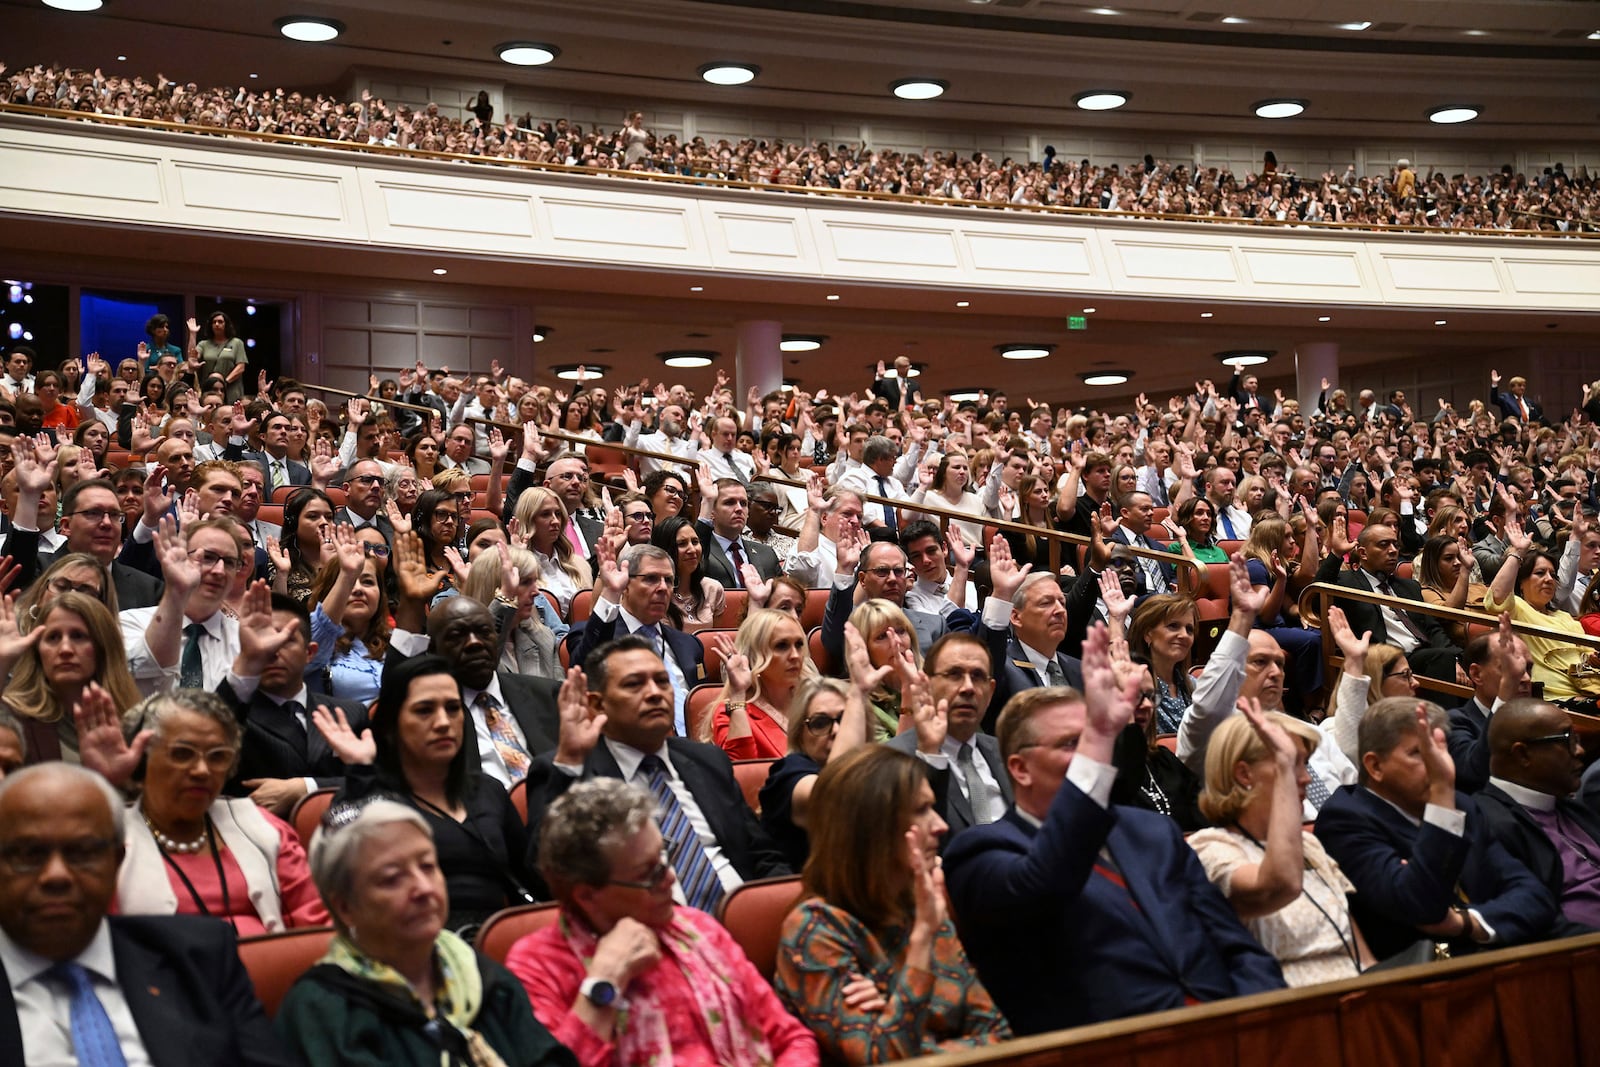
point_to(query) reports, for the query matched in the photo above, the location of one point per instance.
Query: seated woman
(696, 599)
(1162, 632)
(1198, 521)
(890, 639)
(395, 986)
(629, 976)
(762, 665)
(1285, 888)
(667, 491)
(828, 719)
(1271, 555)
(75, 643)
(1525, 585)
(1035, 500)
(191, 850)
(950, 487)
(869, 959)
(1150, 775)
(782, 593)
(96, 437)
(351, 620)
(307, 533)
(506, 581)
(437, 520)
(1445, 575)
(415, 753)
(542, 518)
(69, 572)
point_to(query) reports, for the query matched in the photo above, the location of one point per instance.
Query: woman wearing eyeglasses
(70, 572)
(667, 492)
(437, 521)
(191, 850)
(763, 664)
(396, 988)
(627, 976)
(827, 719)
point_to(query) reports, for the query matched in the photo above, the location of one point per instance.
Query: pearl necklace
(182, 848)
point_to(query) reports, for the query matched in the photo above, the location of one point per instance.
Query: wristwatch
(599, 992)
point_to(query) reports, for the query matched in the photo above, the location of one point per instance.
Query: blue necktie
(888, 512)
(93, 1038)
(1227, 527)
(701, 886)
(680, 687)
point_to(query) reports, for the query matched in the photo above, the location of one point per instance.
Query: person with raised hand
(1525, 586)
(764, 664)
(187, 634)
(1024, 623)
(1073, 910)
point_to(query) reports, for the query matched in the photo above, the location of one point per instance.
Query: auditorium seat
(1213, 597)
(816, 607)
(733, 611)
(275, 961)
(582, 605)
(713, 658)
(1168, 742)
(754, 915)
(506, 927)
(752, 775)
(479, 483)
(697, 708)
(307, 813)
(271, 513)
(819, 655)
(1230, 547)
(519, 798)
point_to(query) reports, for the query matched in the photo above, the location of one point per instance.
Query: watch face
(601, 993)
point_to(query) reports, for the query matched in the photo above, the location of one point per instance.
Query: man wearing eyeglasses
(186, 638)
(363, 499)
(1535, 765)
(79, 986)
(878, 571)
(1418, 852)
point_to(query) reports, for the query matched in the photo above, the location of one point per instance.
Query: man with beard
(667, 437)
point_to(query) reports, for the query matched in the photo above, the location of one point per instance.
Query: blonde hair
(529, 504)
(1379, 659)
(483, 577)
(1235, 742)
(446, 479)
(874, 616)
(754, 639)
(30, 694)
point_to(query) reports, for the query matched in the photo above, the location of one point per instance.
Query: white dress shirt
(736, 464)
(815, 569)
(219, 644)
(605, 611)
(949, 756)
(932, 598)
(44, 1005)
(656, 442)
(489, 758)
(1400, 635)
(863, 479)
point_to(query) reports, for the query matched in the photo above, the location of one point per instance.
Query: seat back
(270, 513)
(708, 648)
(732, 611)
(819, 655)
(751, 774)
(697, 709)
(308, 811)
(754, 915)
(506, 927)
(582, 606)
(816, 607)
(275, 961)
(519, 798)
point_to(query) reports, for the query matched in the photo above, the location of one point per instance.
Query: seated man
(1024, 621)
(879, 573)
(1418, 852)
(79, 987)
(940, 588)
(1420, 637)
(1535, 763)
(616, 722)
(721, 527)
(1497, 665)
(1075, 910)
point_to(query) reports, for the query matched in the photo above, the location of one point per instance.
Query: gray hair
(878, 448)
(391, 481)
(835, 495)
(1019, 599)
(9, 721)
(634, 555)
(72, 772)
(153, 712)
(580, 828)
(1386, 723)
(333, 852)
(763, 488)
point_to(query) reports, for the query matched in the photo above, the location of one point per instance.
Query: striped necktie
(702, 888)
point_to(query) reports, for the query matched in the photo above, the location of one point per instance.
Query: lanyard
(222, 878)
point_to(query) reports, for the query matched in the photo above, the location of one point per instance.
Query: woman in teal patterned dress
(869, 960)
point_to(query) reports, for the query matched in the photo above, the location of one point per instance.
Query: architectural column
(759, 363)
(1312, 363)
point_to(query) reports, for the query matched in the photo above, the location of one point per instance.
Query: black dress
(1156, 781)
(777, 813)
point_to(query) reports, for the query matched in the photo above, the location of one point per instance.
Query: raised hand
(101, 744)
(259, 638)
(1246, 597)
(13, 642)
(1118, 606)
(1111, 700)
(1353, 648)
(1436, 758)
(613, 575)
(181, 573)
(458, 566)
(497, 447)
(927, 886)
(352, 749)
(1515, 537)
(759, 588)
(579, 730)
(848, 550)
(863, 674)
(1339, 543)
(400, 521)
(1004, 573)
(1285, 749)
(1512, 656)
(411, 568)
(34, 473)
(816, 486)
(736, 673)
(962, 553)
(278, 554)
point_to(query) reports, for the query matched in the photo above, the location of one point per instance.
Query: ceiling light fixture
(526, 53)
(540, 333)
(440, 271)
(1024, 351)
(1356, 26)
(1324, 318)
(1205, 314)
(1440, 322)
(74, 5)
(961, 396)
(1106, 377)
(122, 59)
(309, 28)
(1244, 357)
(1595, 36)
(833, 296)
(581, 372)
(918, 88)
(1088, 311)
(1235, 20)
(1103, 11)
(1475, 33)
(801, 342)
(687, 358)
(1279, 109)
(1101, 99)
(697, 288)
(729, 73)
(1452, 114)
(963, 303)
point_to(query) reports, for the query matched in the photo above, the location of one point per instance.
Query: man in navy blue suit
(1418, 852)
(1076, 910)
(1024, 622)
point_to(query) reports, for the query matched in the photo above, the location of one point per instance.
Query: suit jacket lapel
(1020, 660)
(277, 721)
(155, 1000)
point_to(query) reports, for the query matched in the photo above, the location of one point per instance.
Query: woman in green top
(223, 353)
(1198, 520)
(891, 656)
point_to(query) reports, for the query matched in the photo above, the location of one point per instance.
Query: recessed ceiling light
(1235, 20)
(833, 296)
(1088, 311)
(1024, 351)
(687, 358)
(308, 28)
(1440, 322)
(914, 372)
(74, 5)
(1244, 357)
(801, 342)
(540, 333)
(918, 88)
(729, 73)
(255, 75)
(1475, 33)
(1324, 318)
(1279, 109)
(1595, 36)
(1103, 11)
(527, 53)
(963, 303)
(1449, 116)
(961, 396)
(1205, 314)
(697, 288)
(1101, 99)
(440, 271)
(1356, 26)
(122, 59)
(1106, 377)
(581, 372)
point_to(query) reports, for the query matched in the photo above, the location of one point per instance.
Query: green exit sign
(1077, 322)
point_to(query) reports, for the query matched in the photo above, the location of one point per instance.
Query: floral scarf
(641, 1036)
(457, 999)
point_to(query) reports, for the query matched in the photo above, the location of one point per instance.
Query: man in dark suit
(878, 571)
(708, 827)
(274, 454)
(1420, 637)
(1497, 665)
(900, 390)
(169, 989)
(1024, 620)
(282, 755)
(635, 592)
(1243, 388)
(726, 548)
(363, 495)
(980, 790)
(1136, 513)
(1536, 763)
(1075, 910)
(91, 521)
(1418, 852)
(1515, 404)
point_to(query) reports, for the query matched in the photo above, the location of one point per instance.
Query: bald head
(1532, 744)
(463, 632)
(1263, 671)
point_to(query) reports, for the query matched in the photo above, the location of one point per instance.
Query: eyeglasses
(1066, 744)
(367, 479)
(766, 505)
(671, 490)
(446, 516)
(655, 879)
(957, 675)
(380, 551)
(60, 586)
(208, 560)
(216, 759)
(31, 857)
(639, 516)
(1566, 737)
(821, 724)
(1405, 674)
(888, 572)
(1147, 696)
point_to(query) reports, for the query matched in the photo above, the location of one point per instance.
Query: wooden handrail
(161, 125)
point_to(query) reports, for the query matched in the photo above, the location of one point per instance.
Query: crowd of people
(1554, 201)
(1017, 792)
